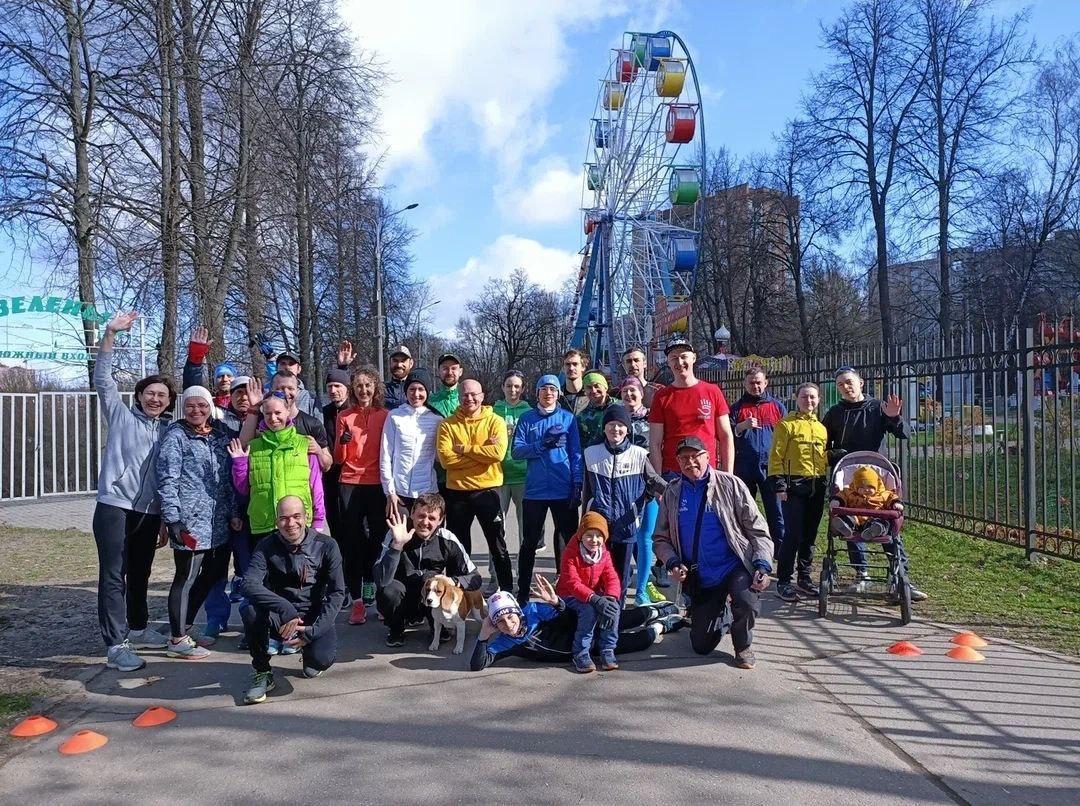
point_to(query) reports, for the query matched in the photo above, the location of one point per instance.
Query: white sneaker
(123, 658)
(147, 639)
(186, 649)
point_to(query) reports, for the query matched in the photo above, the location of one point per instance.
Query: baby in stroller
(865, 491)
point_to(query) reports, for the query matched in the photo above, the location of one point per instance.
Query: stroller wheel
(824, 586)
(903, 589)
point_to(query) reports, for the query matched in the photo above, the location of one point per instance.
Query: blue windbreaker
(550, 472)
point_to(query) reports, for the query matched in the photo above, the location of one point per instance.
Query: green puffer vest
(277, 467)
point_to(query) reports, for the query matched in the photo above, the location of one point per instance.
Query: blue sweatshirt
(752, 446)
(550, 472)
(715, 558)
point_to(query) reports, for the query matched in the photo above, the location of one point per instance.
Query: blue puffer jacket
(752, 446)
(550, 472)
(195, 485)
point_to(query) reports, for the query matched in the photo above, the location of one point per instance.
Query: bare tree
(862, 103)
(961, 106)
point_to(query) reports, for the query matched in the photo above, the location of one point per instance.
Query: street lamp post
(380, 320)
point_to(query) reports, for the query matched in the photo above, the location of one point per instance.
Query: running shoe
(745, 659)
(358, 614)
(123, 658)
(186, 649)
(395, 638)
(367, 594)
(807, 586)
(147, 639)
(261, 684)
(787, 592)
(608, 662)
(654, 593)
(236, 590)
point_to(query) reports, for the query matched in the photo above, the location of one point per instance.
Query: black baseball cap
(678, 343)
(692, 443)
(288, 359)
(447, 357)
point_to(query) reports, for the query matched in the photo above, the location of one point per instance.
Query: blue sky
(486, 121)
(484, 117)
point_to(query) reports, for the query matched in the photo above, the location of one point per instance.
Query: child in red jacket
(590, 587)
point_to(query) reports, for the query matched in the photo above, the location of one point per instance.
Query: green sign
(10, 306)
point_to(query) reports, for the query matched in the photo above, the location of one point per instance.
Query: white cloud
(544, 265)
(482, 70)
(552, 197)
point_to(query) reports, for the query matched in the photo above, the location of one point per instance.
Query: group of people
(357, 503)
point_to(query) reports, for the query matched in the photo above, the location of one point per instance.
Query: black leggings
(534, 511)
(319, 654)
(802, 514)
(126, 541)
(362, 514)
(196, 573)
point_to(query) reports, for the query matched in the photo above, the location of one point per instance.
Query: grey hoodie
(127, 477)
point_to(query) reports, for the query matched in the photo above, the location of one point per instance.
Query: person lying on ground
(544, 631)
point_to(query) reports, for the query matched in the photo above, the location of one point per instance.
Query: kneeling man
(412, 556)
(295, 588)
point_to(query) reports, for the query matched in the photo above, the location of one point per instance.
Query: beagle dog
(450, 606)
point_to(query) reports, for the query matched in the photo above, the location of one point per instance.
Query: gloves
(835, 455)
(346, 437)
(554, 438)
(607, 609)
(574, 499)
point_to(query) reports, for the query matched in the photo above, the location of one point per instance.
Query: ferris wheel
(642, 199)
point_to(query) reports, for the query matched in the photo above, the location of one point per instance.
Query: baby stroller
(897, 585)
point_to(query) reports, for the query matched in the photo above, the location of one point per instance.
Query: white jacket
(407, 458)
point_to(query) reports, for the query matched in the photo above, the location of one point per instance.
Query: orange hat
(593, 520)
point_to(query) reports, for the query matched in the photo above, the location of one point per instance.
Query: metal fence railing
(51, 444)
(995, 446)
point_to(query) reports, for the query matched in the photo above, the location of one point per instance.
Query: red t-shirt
(690, 411)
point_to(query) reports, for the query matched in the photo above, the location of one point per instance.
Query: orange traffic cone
(968, 638)
(965, 653)
(35, 725)
(905, 648)
(83, 742)
(153, 716)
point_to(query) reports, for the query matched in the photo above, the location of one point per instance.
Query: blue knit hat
(548, 380)
(224, 369)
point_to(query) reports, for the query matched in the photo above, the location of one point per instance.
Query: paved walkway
(828, 716)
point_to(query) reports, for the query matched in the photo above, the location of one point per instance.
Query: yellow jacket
(798, 446)
(483, 436)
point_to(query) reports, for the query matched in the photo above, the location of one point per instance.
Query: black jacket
(289, 581)
(395, 393)
(329, 417)
(442, 553)
(859, 426)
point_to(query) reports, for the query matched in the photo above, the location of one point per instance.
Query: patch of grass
(13, 707)
(994, 589)
(46, 555)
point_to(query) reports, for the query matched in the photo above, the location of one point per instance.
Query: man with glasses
(294, 588)
(712, 538)
(471, 444)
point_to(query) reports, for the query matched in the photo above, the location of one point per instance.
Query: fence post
(1027, 451)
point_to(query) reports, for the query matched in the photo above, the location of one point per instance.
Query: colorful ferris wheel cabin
(670, 77)
(594, 176)
(683, 253)
(648, 50)
(628, 65)
(684, 186)
(614, 94)
(681, 121)
(601, 133)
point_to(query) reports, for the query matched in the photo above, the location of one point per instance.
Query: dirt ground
(49, 635)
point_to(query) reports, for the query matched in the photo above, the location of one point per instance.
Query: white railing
(51, 443)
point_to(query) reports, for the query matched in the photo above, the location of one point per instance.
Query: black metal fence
(995, 447)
